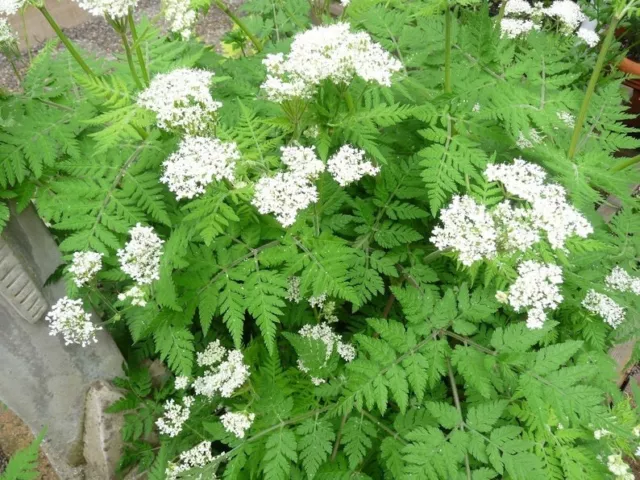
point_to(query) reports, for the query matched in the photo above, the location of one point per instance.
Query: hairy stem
(334, 453)
(503, 6)
(134, 36)
(65, 40)
(127, 50)
(16, 72)
(382, 426)
(447, 49)
(627, 162)
(240, 24)
(26, 35)
(595, 75)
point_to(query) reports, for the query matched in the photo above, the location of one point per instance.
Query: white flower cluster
(293, 291)
(224, 378)
(69, 318)
(601, 433)
(605, 307)
(198, 456)
(175, 415)
(550, 210)
(180, 17)
(317, 301)
(524, 142)
(136, 294)
(515, 228)
(140, 257)
(181, 100)
(9, 7)
(197, 162)
(348, 165)
(331, 340)
(237, 423)
(326, 52)
(621, 281)
(7, 35)
(536, 289)
(468, 228)
(567, 118)
(110, 8)
(84, 267)
(182, 383)
(287, 193)
(621, 470)
(520, 18)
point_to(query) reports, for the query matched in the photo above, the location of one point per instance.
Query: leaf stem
(256, 43)
(382, 426)
(65, 40)
(627, 162)
(136, 44)
(334, 453)
(456, 401)
(595, 75)
(447, 49)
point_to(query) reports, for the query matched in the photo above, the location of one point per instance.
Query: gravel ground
(98, 37)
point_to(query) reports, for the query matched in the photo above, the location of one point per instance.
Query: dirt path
(14, 436)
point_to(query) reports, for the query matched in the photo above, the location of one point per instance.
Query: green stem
(15, 70)
(503, 6)
(26, 35)
(627, 162)
(134, 36)
(65, 40)
(447, 49)
(584, 109)
(132, 67)
(240, 24)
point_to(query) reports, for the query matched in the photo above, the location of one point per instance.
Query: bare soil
(14, 436)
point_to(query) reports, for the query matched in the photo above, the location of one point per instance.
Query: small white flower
(516, 231)
(136, 294)
(317, 301)
(312, 132)
(636, 431)
(348, 165)
(84, 267)
(198, 456)
(536, 289)
(502, 297)
(590, 37)
(600, 433)
(9, 7)
(140, 257)
(293, 292)
(520, 178)
(7, 35)
(224, 379)
(326, 53)
(112, 8)
(468, 229)
(212, 355)
(284, 195)
(476, 108)
(180, 17)
(181, 100)
(514, 27)
(181, 383)
(198, 161)
(345, 3)
(346, 351)
(517, 7)
(616, 465)
(605, 307)
(237, 423)
(302, 161)
(567, 118)
(567, 12)
(621, 281)
(175, 415)
(68, 317)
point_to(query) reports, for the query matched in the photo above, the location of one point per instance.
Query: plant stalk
(134, 36)
(256, 43)
(584, 109)
(16, 72)
(627, 162)
(447, 49)
(127, 51)
(67, 43)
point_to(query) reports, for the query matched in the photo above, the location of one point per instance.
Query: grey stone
(42, 380)
(103, 443)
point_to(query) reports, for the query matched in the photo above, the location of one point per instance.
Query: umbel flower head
(181, 100)
(605, 307)
(7, 35)
(175, 415)
(198, 456)
(222, 377)
(9, 7)
(329, 52)
(332, 342)
(84, 267)
(348, 165)
(68, 317)
(110, 8)
(198, 161)
(140, 257)
(237, 423)
(180, 17)
(536, 289)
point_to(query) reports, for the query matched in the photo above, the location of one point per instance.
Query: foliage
(448, 383)
(23, 464)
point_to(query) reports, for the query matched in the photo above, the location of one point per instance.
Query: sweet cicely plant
(369, 248)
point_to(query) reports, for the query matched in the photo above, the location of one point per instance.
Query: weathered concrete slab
(42, 380)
